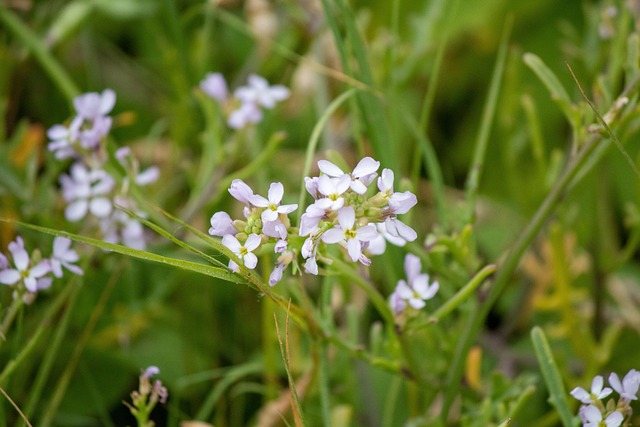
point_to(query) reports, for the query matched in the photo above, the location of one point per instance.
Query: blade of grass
(480, 152)
(313, 142)
(36, 46)
(551, 375)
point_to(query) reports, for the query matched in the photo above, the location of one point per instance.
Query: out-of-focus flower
(64, 256)
(215, 86)
(86, 191)
(259, 92)
(592, 417)
(628, 388)
(24, 271)
(417, 289)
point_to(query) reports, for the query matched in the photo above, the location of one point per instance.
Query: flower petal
(329, 168)
(366, 166)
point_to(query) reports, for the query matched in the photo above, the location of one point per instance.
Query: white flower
(399, 229)
(221, 224)
(64, 256)
(310, 219)
(629, 386)
(244, 252)
(259, 92)
(346, 233)
(400, 203)
(245, 114)
(332, 189)
(361, 177)
(378, 245)
(416, 290)
(592, 417)
(93, 105)
(272, 204)
(64, 138)
(240, 191)
(215, 86)
(85, 191)
(385, 182)
(23, 271)
(597, 391)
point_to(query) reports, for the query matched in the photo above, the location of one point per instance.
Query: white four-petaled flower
(64, 256)
(361, 176)
(346, 232)
(416, 290)
(272, 205)
(29, 274)
(628, 388)
(592, 417)
(243, 251)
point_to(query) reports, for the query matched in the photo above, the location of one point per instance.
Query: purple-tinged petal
(9, 276)
(333, 235)
(367, 233)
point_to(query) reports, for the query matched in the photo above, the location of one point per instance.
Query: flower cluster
(149, 393)
(416, 290)
(88, 188)
(595, 413)
(266, 219)
(341, 214)
(28, 274)
(244, 107)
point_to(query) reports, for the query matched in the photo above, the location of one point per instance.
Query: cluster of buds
(341, 213)
(149, 393)
(595, 413)
(28, 274)
(89, 189)
(245, 106)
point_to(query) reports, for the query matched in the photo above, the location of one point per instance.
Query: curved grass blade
(551, 374)
(207, 270)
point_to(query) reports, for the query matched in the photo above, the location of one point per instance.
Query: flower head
(215, 86)
(86, 191)
(259, 92)
(597, 391)
(24, 270)
(243, 251)
(361, 177)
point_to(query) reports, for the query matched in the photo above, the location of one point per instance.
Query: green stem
(40, 53)
(9, 317)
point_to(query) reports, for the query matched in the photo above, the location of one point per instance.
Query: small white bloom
(346, 233)
(215, 86)
(361, 177)
(23, 270)
(416, 290)
(592, 417)
(259, 92)
(93, 105)
(332, 189)
(243, 251)
(597, 391)
(629, 386)
(240, 191)
(272, 204)
(247, 113)
(221, 224)
(86, 192)
(64, 256)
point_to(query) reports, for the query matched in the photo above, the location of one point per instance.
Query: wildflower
(63, 256)
(397, 302)
(258, 92)
(246, 114)
(221, 224)
(597, 391)
(361, 177)
(592, 417)
(310, 219)
(241, 191)
(92, 106)
(24, 271)
(629, 386)
(85, 191)
(378, 245)
(215, 86)
(332, 189)
(400, 203)
(244, 252)
(347, 233)
(63, 139)
(416, 290)
(150, 372)
(276, 274)
(272, 204)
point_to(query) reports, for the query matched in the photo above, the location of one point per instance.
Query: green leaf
(551, 374)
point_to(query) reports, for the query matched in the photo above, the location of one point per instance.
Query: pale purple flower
(416, 290)
(247, 113)
(4, 262)
(311, 266)
(397, 303)
(92, 105)
(86, 191)
(119, 227)
(398, 229)
(311, 184)
(259, 92)
(23, 271)
(310, 220)
(597, 391)
(361, 176)
(91, 136)
(276, 274)
(378, 245)
(215, 86)
(272, 204)
(592, 417)
(280, 246)
(275, 229)
(160, 391)
(221, 224)
(628, 388)
(64, 256)
(400, 203)
(241, 191)
(150, 372)
(64, 138)
(347, 233)
(332, 189)
(243, 251)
